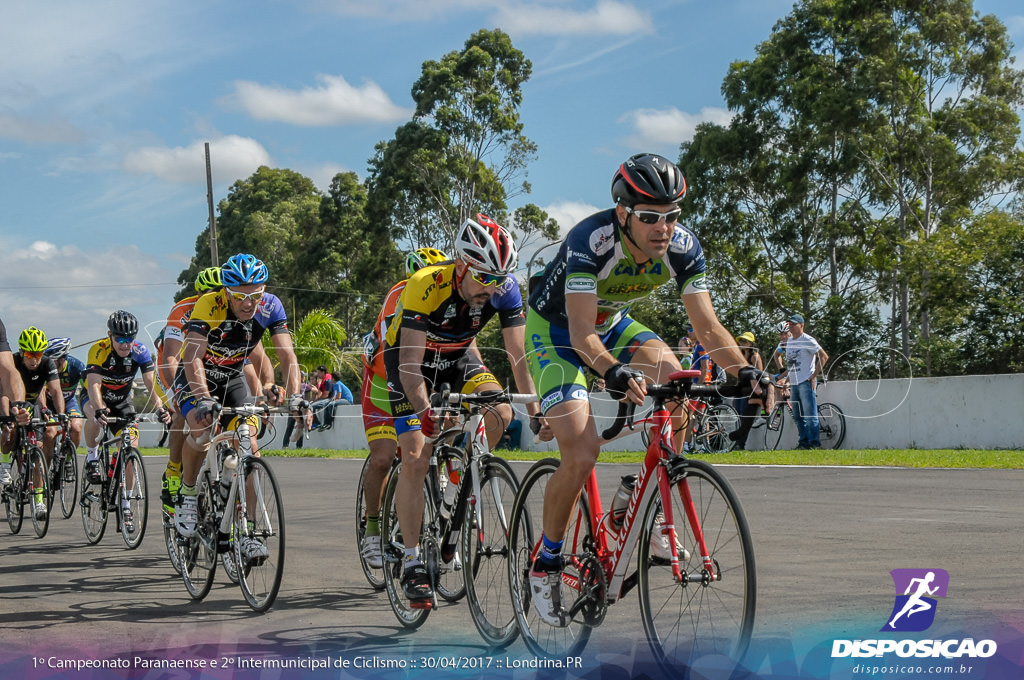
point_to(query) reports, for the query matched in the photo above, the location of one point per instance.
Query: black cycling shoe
(92, 472)
(416, 585)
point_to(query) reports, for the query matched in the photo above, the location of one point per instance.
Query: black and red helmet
(648, 178)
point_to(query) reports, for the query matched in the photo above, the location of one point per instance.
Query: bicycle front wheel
(524, 543)
(772, 433)
(451, 580)
(197, 556)
(259, 534)
(722, 420)
(393, 547)
(710, 608)
(67, 473)
(374, 577)
(14, 496)
(831, 425)
(38, 492)
(135, 491)
(93, 506)
(485, 551)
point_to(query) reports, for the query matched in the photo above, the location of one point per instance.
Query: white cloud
(34, 131)
(569, 213)
(77, 303)
(333, 102)
(323, 174)
(607, 17)
(231, 157)
(669, 127)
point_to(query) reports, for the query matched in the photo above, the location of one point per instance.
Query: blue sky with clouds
(105, 106)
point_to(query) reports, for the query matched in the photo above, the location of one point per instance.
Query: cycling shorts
(71, 406)
(462, 370)
(124, 409)
(230, 392)
(376, 407)
(558, 371)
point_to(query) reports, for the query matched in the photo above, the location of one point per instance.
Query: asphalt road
(825, 540)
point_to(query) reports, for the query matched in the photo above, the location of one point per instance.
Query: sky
(105, 107)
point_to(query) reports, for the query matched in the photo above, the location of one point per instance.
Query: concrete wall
(984, 412)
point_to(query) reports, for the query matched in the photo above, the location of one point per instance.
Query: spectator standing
(805, 360)
(748, 408)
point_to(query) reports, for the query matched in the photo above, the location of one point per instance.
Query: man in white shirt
(804, 361)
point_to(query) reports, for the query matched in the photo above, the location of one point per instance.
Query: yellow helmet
(32, 340)
(422, 257)
(208, 279)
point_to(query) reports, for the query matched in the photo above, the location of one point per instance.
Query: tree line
(871, 179)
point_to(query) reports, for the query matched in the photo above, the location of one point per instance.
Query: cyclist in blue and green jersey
(579, 319)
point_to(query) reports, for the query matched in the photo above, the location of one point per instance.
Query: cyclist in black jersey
(12, 398)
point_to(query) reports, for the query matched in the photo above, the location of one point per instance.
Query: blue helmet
(58, 348)
(243, 269)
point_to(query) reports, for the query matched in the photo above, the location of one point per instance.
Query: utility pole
(214, 257)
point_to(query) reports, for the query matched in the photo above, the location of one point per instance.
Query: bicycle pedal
(425, 604)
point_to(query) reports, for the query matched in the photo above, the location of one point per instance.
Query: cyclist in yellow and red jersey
(440, 311)
(224, 329)
(380, 432)
(109, 372)
(12, 401)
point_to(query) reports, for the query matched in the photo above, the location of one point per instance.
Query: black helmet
(648, 178)
(123, 323)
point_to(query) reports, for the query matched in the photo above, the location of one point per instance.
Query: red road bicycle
(694, 567)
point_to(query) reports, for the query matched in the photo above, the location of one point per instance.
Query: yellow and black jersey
(116, 372)
(431, 302)
(230, 341)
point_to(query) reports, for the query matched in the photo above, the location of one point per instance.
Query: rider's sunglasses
(485, 279)
(124, 339)
(242, 297)
(33, 355)
(653, 216)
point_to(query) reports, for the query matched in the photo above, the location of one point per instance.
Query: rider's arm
(13, 386)
(410, 357)
(261, 368)
(195, 350)
(719, 343)
(581, 308)
(515, 345)
(172, 348)
(56, 395)
(147, 380)
(289, 362)
(93, 381)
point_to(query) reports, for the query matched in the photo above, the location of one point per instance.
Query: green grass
(917, 458)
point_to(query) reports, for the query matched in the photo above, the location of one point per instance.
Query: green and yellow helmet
(32, 340)
(423, 257)
(208, 279)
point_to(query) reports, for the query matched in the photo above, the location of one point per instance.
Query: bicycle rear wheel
(94, 505)
(258, 540)
(721, 420)
(485, 551)
(197, 556)
(135, 490)
(67, 474)
(393, 546)
(524, 540)
(375, 577)
(37, 470)
(772, 433)
(832, 425)
(710, 610)
(14, 496)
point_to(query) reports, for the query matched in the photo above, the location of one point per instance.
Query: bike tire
(393, 547)
(831, 425)
(171, 540)
(451, 580)
(485, 553)
(685, 620)
(14, 496)
(67, 473)
(721, 420)
(542, 639)
(197, 555)
(93, 506)
(37, 467)
(259, 516)
(137, 494)
(773, 436)
(375, 577)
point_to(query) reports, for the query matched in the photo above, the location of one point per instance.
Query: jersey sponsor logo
(540, 350)
(550, 400)
(579, 393)
(645, 269)
(580, 284)
(631, 289)
(602, 240)
(579, 256)
(681, 241)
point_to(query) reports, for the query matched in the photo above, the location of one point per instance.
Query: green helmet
(208, 279)
(32, 340)
(423, 257)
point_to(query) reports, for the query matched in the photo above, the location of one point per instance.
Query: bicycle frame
(129, 431)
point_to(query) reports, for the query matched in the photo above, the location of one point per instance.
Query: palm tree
(319, 339)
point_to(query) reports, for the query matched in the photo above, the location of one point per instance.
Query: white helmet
(783, 327)
(485, 245)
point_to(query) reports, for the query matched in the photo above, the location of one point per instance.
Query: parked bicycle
(122, 488)
(463, 540)
(831, 423)
(64, 469)
(240, 515)
(29, 478)
(711, 422)
(694, 567)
